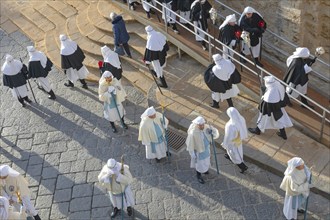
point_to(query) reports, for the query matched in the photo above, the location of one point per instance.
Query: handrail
(283, 39)
(324, 110)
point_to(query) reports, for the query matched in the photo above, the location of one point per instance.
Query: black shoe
(258, 62)
(51, 95)
(301, 211)
(200, 179)
(282, 134)
(84, 84)
(254, 130)
(157, 160)
(37, 217)
(114, 212)
(22, 102)
(114, 130)
(129, 211)
(27, 99)
(125, 126)
(69, 84)
(168, 153)
(163, 81)
(215, 104)
(243, 167)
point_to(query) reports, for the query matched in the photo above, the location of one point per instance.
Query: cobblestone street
(62, 145)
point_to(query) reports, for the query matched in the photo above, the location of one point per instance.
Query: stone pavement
(61, 146)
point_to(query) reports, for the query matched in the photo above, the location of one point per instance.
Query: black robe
(117, 73)
(296, 72)
(184, 5)
(15, 81)
(200, 12)
(36, 69)
(74, 60)
(227, 34)
(151, 55)
(217, 85)
(251, 25)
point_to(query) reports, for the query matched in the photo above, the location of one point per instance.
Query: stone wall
(302, 22)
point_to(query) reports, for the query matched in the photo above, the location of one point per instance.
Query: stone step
(37, 18)
(78, 5)
(51, 14)
(106, 7)
(65, 9)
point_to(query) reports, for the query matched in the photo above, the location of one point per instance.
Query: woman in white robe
(112, 94)
(235, 132)
(198, 145)
(116, 178)
(296, 184)
(152, 134)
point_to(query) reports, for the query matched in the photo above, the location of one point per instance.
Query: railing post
(322, 125)
(210, 48)
(165, 20)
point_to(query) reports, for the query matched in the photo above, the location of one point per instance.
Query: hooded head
(149, 112)
(63, 37)
(31, 49)
(113, 15)
(9, 58)
(200, 122)
(149, 29)
(217, 58)
(302, 52)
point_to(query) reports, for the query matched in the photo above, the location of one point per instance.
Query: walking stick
(114, 100)
(305, 214)
(26, 72)
(214, 151)
(123, 191)
(153, 73)
(166, 137)
(260, 48)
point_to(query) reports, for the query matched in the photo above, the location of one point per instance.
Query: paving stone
(80, 204)
(161, 194)
(64, 167)
(68, 156)
(143, 196)
(60, 210)
(78, 166)
(103, 212)
(92, 176)
(44, 201)
(47, 186)
(231, 197)
(268, 210)
(248, 212)
(81, 177)
(50, 172)
(172, 208)
(156, 210)
(34, 170)
(65, 181)
(62, 195)
(101, 201)
(82, 190)
(80, 215)
(36, 159)
(52, 159)
(93, 164)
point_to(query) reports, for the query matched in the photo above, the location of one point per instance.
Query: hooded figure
(299, 65)
(152, 134)
(222, 77)
(39, 67)
(120, 33)
(15, 188)
(171, 6)
(156, 52)
(296, 184)
(199, 13)
(183, 7)
(72, 58)
(198, 145)
(116, 178)
(272, 113)
(146, 6)
(14, 76)
(235, 133)
(252, 22)
(111, 62)
(112, 94)
(229, 34)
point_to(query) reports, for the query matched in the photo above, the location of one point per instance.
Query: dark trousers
(126, 48)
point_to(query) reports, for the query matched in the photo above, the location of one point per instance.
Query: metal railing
(211, 38)
(288, 44)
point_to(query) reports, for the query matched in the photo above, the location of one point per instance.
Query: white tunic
(255, 50)
(233, 145)
(73, 74)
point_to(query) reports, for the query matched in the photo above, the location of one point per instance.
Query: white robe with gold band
(233, 144)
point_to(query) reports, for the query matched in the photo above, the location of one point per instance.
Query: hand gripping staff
(26, 74)
(213, 144)
(114, 100)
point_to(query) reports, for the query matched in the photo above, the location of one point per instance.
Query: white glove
(112, 89)
(307, 68)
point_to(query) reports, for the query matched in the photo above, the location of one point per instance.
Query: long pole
(305, 214)
(114, 100)
(166, 137)
(153, 76)
(214, 151)
(29, 83)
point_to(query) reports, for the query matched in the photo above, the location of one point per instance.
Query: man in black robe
(14, 77)
(252, 22)
(39, 67)
(156, 52)
(229, 34)
(299, 65)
